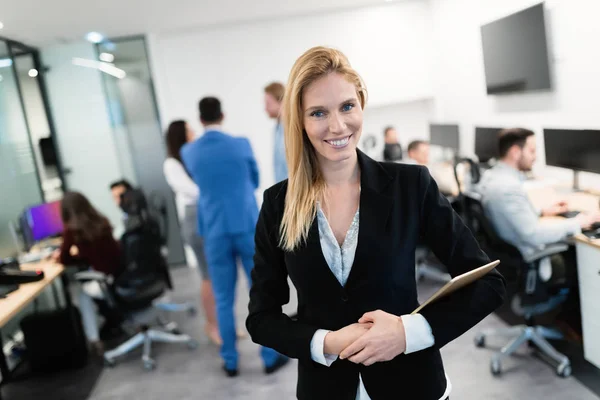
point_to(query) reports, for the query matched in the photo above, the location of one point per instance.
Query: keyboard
(569, 214)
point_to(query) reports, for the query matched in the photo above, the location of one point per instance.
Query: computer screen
(44, 221)
(486, 143)
(577, 149)
(446, 136)
(515, 52)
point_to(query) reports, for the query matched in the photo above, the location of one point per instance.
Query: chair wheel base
(496, 368)
(480, 341)
(564, 371)
(149, 365)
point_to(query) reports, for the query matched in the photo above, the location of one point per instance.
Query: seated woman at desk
(88, 239)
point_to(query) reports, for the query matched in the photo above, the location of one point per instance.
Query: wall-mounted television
(515, 52)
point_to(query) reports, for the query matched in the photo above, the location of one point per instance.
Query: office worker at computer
(418, 152)
(186, 199)
(392, 150)
(225, 170)
(88, 240)
(507, 204)
(344, 228)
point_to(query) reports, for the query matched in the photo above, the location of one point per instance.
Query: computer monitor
(486, 143)
(43, 221)
(576, 149)
(446, 136)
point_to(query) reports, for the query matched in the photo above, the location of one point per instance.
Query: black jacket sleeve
(267, 324)
(452, 242)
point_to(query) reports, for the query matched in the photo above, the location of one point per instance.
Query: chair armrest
(85, 276)
(547, 251)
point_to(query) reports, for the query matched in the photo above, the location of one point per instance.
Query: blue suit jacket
(225, 170)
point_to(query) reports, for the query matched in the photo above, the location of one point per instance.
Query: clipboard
(459, 282)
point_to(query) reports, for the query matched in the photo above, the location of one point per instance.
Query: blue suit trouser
(222, 253)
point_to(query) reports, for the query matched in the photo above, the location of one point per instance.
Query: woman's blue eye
(347, 107)
(317, 114)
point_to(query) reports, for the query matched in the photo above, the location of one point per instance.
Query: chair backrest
(143, 278)
(531, 295)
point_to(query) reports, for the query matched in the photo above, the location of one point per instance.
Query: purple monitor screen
(45, 220)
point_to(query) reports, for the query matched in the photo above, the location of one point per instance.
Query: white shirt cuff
(317, 347)
(417, 332)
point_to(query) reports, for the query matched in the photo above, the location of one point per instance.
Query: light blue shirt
(279, 162)
(516, 220)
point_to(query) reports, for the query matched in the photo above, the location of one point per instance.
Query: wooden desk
(16, 301)
(27, 292)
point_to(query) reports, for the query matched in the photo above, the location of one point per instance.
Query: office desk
(588, 270)
(27, 292)
(588, 265)
(16, 301)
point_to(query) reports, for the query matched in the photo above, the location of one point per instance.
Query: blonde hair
(305, 183)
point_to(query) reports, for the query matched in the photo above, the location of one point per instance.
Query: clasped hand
(378, 336)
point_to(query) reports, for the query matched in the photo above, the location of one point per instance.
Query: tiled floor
(182, 374)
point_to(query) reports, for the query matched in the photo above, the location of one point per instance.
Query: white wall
(573, 34)
(389, 45)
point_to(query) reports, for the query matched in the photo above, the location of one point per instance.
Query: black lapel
(375, 206)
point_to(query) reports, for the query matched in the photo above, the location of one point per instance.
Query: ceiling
(39, 23)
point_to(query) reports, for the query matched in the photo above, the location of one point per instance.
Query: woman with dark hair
(88, 240)
(186, 198)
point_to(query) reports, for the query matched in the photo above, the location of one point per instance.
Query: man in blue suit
(226, 172)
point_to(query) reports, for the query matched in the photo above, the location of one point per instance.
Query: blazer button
(344, 297)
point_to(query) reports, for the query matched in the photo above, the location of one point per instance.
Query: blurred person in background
(273, 98)
(88, 240)
(186, 198)
(225, 170)
(418, 152)
(392, 150)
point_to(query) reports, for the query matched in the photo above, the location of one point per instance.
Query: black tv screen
(446, 136)
(486, 143)
(577, 149)
(515, 52)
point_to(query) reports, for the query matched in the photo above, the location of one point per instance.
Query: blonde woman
(344, 228)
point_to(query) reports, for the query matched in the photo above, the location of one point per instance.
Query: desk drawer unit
(588, 268)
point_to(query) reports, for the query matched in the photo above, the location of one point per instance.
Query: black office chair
(139, 291)
(533, 295)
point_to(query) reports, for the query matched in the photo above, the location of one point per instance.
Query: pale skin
(333, 119)
(523, 159)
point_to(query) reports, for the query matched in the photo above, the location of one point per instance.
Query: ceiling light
(33, 72)
(5, 62)
(107, 57)
(94, 37)
(1, 25)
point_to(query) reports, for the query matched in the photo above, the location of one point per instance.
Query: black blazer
(399, 205)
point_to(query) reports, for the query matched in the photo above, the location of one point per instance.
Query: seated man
(418, 152)
(507, 205)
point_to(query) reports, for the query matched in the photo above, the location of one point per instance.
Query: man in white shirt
(507, 204)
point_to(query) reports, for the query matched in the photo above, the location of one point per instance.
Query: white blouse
(186, 191)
